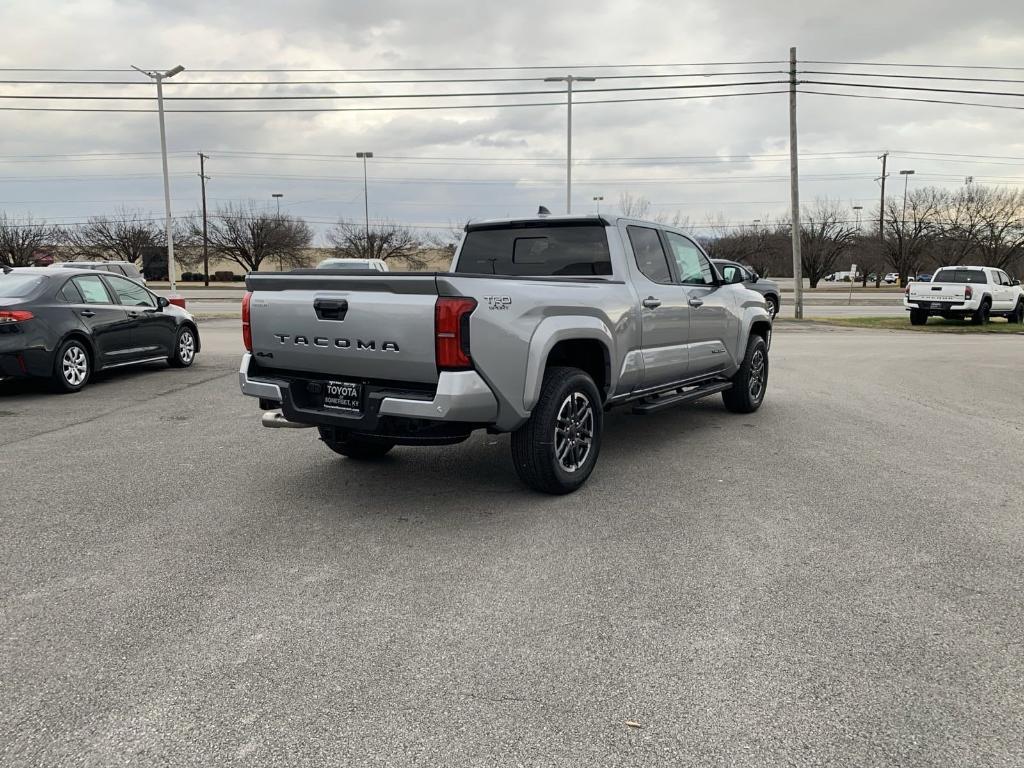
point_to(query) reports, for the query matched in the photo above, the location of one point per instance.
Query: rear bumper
(461, 396)
(939, 307)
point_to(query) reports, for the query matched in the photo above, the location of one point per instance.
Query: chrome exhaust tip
(276, 420)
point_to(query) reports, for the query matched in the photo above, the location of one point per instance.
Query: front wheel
(354, 446)
(751, 380)
(773, 306)
(557, 448)
(184, 352)
(1017, 316)
(918, 317)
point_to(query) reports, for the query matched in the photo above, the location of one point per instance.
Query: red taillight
(906, 291)
(246, 328)
(14, 315)
(451, 330)
(968, 292)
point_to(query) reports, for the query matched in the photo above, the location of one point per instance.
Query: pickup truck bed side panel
(513, 329)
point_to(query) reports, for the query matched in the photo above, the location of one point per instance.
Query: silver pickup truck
(541, 325)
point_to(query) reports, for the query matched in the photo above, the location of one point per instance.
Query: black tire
(918, 317)
(569, 408)
(72, 367)
(1017, 316)
(751, 380)
(981, 317)
(355, 447)
(773, 306)
(186, 342)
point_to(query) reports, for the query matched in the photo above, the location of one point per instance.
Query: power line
(908, 77)
(906, 98)
(374, 96)
(924, 66)
(396, 108)
(911, 88)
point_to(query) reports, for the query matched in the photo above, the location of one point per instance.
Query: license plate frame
(937, 305)
(344, 396)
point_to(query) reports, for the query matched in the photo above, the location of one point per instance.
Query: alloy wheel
(574, 431)
(755, 383)
(75, 365)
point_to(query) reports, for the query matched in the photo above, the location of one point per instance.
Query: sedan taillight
(14, 316)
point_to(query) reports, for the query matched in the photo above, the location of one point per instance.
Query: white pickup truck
(957, 293)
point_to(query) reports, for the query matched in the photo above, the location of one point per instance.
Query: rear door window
(92, 289)
(650, 256)
(70, 293)
(536, 251)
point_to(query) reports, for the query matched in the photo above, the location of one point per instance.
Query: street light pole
(277, 196)
(903, 226)
(366, 196)
(569, 80)
(159, 77)
(598, 199)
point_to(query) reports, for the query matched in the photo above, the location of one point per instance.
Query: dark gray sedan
(64, 324)
(733, 272)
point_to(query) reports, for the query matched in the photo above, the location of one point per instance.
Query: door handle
(651, 303)
(88, 313)
(695, 303)
(132, 313)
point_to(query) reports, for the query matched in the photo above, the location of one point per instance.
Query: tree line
(969, 225)
(245, 234)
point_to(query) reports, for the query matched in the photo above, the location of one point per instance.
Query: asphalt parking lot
(837, 579)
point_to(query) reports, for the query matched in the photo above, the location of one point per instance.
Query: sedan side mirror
(754, 277)
(161, 301)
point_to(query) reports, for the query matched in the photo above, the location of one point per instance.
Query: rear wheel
(355, 446)
(556, 450)
(72, 367)
(918, 317)
(981, 316)
(750, 381)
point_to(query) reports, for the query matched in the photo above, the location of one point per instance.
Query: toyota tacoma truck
(956, 293)
(540, 326)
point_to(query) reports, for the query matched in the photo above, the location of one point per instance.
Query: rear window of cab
(531, 250)
(959, 276)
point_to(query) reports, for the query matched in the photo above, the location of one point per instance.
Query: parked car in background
(734, 272)
(374, 265)
(65, 324)
(125, 268)
(962, 292)
(891, 278)
(924, 277)
(541, 325)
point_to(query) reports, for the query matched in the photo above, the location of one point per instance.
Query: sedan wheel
(72, 367)
(184, 353)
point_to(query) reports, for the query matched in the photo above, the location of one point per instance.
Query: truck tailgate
(947, 292)
(358, 326)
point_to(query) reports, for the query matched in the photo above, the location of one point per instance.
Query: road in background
(836, 579)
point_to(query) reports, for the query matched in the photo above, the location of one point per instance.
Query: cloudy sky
(720, 157)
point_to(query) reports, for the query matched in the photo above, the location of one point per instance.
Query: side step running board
(671, 400)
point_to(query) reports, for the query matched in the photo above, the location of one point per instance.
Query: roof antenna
(543, 211)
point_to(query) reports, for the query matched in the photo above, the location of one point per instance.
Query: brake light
(906, 291)
(246, 328)
(968, 292)
(14, 316)
(451, 331)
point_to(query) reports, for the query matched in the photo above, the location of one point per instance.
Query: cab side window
(650, 256)
(694, 267)
(130, 294)
(92, 289)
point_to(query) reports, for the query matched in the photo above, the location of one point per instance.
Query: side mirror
(161, 301)
(1015, 283)
(754, 277)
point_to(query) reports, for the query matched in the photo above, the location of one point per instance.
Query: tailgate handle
(328, 309)
(936, 288)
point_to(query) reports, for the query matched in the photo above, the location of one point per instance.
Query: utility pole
(794, 193)
(206, 243)
(903, 227)
(159, 78)
(569, 80)
(366, 195)
(881, 218)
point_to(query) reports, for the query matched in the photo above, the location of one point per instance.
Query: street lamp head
(907, 173)
(277, 194)
(364, 154)
(598, 197)
(858, 207)
(176, 71)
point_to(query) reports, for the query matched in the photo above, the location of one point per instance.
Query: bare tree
(123, 236)
(985, 223)
(825, 236)
(21, 240)
(382, 241)
(907, 243)
(248, 236)
(634, 206)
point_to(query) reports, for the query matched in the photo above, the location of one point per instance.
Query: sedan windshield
(15, 286)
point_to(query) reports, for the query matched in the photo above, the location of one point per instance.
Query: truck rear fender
(559, 335)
